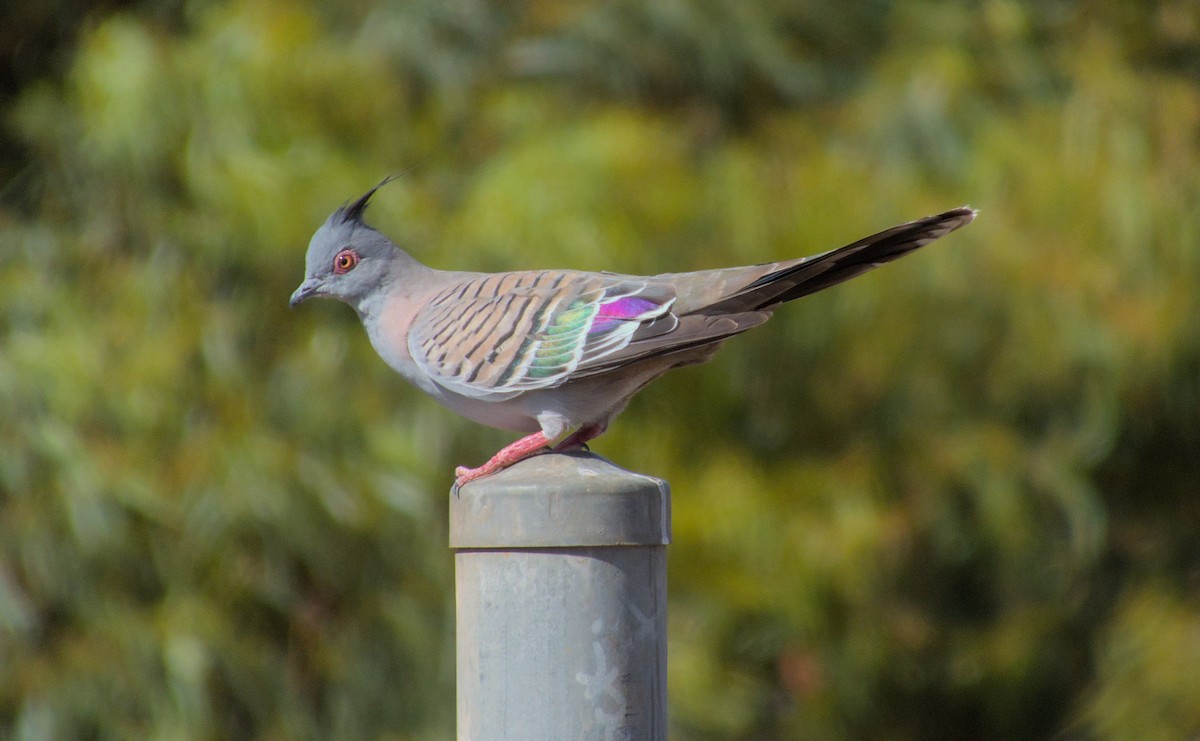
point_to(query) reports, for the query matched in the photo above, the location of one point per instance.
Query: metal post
(561, 583)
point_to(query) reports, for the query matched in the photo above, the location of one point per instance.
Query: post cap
(561, 500)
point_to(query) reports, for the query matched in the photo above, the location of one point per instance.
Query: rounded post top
(561, 500)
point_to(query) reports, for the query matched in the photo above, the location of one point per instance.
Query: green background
(956, 498)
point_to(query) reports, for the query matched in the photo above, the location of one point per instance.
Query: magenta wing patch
(629, 308)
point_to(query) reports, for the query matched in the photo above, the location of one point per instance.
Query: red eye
(344, 261)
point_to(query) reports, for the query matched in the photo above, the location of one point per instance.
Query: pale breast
(388, 328)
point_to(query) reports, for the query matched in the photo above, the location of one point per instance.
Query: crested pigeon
(547, 351)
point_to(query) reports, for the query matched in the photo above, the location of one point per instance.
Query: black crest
(353, 212)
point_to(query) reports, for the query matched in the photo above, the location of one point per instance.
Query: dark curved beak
(307, 289)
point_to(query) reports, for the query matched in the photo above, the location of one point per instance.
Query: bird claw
(530, 445)
(464, 475)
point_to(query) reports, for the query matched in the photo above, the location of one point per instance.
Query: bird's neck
(404, 277)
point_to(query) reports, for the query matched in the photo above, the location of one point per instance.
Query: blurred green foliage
(957, 498)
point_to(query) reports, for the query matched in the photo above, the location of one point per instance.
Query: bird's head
(347, 259)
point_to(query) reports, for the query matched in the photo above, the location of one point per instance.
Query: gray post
(561, 584)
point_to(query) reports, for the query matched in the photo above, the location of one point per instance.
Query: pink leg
(581, 436)
(522, 448)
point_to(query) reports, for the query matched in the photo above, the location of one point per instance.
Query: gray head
(347, 259)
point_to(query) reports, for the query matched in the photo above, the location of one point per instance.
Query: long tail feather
(799, 278)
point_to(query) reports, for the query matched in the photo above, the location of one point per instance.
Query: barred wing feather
(496, 336)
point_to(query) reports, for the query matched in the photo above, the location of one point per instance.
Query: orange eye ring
(344, 261)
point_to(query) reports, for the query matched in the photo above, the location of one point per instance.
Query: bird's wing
(495, 336)
(712, 305)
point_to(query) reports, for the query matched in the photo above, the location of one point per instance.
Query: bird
(558, 354)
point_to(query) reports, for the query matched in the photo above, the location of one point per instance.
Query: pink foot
(581, 436)
(523, 448)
